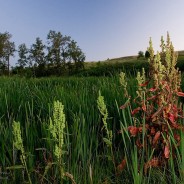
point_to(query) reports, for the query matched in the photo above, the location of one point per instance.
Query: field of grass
(30, 102)
(86, 159)
(98, 127)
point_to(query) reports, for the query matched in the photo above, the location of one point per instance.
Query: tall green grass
(30, 102)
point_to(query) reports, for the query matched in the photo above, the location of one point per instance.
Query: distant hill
(127, 59)
(111, 61)
(181, 53)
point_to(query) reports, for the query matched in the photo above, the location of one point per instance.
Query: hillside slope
(126, 59)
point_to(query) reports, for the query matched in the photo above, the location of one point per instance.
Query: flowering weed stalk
(18, 144)
(108, 139)
(56, 128)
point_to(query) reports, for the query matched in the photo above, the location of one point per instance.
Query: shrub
(130, 68)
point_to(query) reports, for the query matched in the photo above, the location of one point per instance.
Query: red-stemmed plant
(157, 113)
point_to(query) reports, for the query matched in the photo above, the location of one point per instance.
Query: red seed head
(166, 151)
(133, 130)
(156, 138)
(122, 165)
(152, 131)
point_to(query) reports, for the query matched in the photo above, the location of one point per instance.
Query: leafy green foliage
(23, 58)
(37, 54)
(7, 49)
(130, 68)
(140, 54)
(147, 54)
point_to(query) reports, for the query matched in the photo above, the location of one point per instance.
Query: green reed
(30, 102)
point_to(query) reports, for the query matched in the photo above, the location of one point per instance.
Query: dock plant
(56, 128)
(156, 113)
(108, 138)
(18, 144)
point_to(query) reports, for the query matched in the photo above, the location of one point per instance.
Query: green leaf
(47, 168)
(15, 167)
(107, 141)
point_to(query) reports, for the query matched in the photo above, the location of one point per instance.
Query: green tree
(23, 55)
(57, 49)
(7, 49)
(75, 55)
(147, 54)
(140, 54)
(37, 54)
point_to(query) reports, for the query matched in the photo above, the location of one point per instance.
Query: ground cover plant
(117, 129)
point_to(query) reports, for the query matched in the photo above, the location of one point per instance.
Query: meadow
(122, 128)
(30, 102)
(87, 157)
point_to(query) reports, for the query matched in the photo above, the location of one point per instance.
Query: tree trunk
(8, 65)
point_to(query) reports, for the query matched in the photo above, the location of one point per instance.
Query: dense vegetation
(111, 129)
(59, 56)
(30, 101)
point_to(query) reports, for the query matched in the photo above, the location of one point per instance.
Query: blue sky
(102, 28)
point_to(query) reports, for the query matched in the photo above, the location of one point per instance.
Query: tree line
(59, 56)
